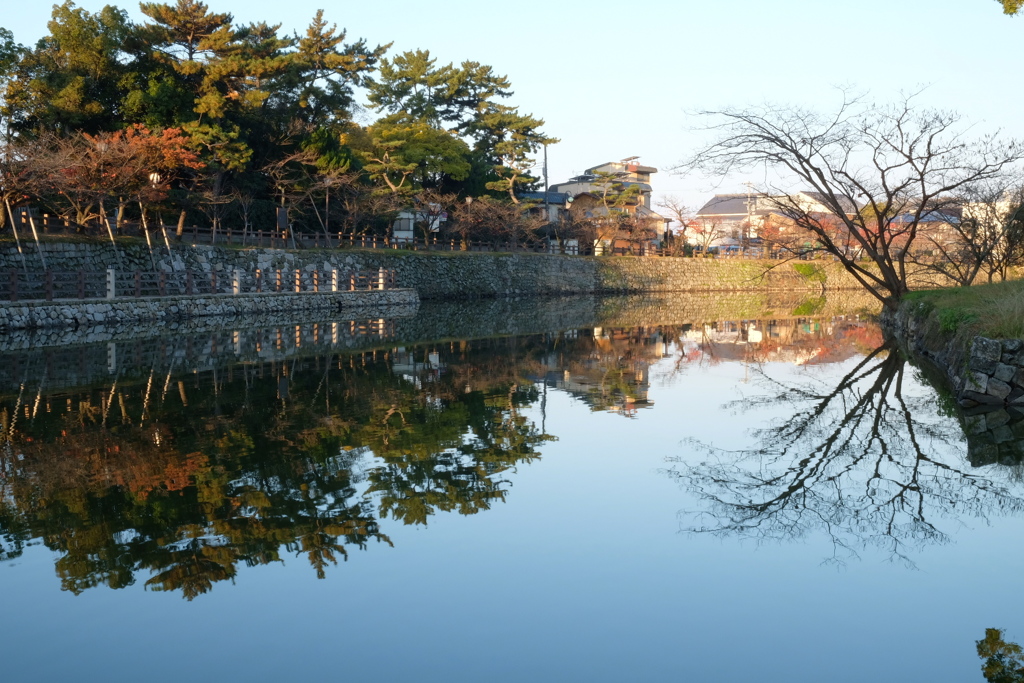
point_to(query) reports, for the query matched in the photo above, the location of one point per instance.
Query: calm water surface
(768, 498)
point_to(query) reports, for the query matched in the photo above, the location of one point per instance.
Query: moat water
(597, 494)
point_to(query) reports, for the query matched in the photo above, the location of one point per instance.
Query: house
(626, 174)
(428, 217)
(554, 204)
(620, 186)
(750, 218)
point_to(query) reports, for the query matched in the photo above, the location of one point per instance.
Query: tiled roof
(725, 204)
(552, 197)
(736, 204)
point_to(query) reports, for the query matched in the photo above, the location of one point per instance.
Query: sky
(616, 80)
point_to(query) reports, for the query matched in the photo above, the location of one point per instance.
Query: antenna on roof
(629, 159)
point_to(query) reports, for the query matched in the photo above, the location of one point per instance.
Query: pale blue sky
(617, 79)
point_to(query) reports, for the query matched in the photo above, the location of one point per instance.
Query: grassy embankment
(993, 310)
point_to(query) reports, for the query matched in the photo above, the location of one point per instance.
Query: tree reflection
(1002, 660)
(865, 462)
(255, 465)
(181, 483)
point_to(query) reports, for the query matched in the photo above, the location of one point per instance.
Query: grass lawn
(995, 311)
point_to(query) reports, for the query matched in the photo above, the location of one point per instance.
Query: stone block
(1004, 373)
(976, 382)
(1002, 434)
(998, 388)
(1013, 345)
(981, 398)
(975, 424)
(985, 353)
(997, 418)
(982, 454)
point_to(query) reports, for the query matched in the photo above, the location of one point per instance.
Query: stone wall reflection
(198, 456)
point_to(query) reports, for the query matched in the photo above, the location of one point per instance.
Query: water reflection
(1002, 660)
(867, 461)
(256, 462)
(176, 462)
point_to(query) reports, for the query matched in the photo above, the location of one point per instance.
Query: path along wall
(121, 312)
(447, 275)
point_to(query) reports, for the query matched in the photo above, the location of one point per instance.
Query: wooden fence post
(111, 284)
(48, 280)
(138, 284)
(81, 284)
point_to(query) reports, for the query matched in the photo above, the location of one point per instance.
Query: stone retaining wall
(986, 377)
(448, 275)
(82, 313)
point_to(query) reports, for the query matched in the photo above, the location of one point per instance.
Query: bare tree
(292, 179)
(876, 170)
(681, 214)
(245, 200)
(330, 185)
(706, 231)
(994, 216)
(856, 460)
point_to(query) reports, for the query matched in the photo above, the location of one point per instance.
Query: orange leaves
(165, 150)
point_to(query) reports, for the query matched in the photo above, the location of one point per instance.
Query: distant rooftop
(550, 197)
(736, 204)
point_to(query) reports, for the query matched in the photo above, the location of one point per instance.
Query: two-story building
(623, 186)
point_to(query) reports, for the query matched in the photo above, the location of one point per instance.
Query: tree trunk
(113, 242)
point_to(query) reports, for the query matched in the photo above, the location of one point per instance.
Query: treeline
(193, 117)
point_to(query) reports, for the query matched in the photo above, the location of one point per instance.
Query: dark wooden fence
(53, 226)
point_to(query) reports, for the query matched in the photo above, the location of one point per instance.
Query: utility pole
(750, 214)
(547, 209)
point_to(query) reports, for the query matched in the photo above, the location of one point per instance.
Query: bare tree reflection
(866, 462)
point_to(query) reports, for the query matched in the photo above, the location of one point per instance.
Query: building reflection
(179, 461)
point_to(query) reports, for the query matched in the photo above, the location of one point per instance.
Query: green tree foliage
(73, 80)
(462, 101)
(445, 97)
(510, 139)
(324, 71)
(10, 54)
(408, 154)
(264, 110)
(1011, 7)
